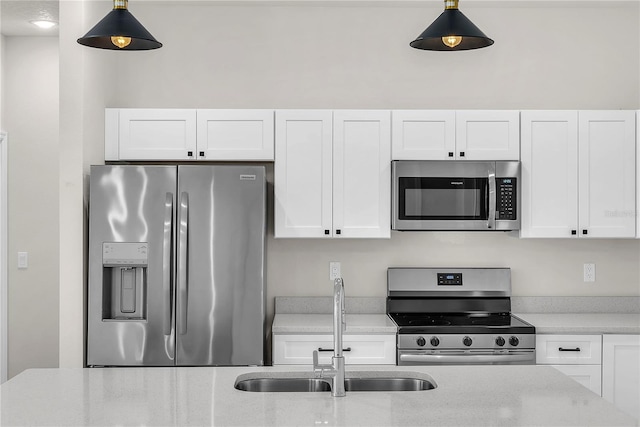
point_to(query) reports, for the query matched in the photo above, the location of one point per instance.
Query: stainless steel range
(457, 316)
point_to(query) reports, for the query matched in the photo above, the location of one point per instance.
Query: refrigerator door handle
(182, 261)
(166, 262)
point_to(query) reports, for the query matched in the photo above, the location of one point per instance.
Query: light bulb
(44, 24)
(452, 41)
(121, 41)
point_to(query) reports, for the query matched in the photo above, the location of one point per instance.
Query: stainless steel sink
(387, 384)
(352, 383)
(283, 384)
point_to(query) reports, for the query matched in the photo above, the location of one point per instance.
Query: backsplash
(373, 305)
(539, 267)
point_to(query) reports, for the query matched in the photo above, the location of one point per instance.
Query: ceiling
(16, 15)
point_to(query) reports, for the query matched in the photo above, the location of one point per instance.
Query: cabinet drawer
(364, 349)
(589, 376)
(568, 349)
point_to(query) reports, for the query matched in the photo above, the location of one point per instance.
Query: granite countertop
(583, 323)
(465, 395)
(323, 324)
(545, 323)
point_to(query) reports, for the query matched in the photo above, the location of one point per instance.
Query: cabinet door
(488, 135)
(362, 173)
(235, 135)
(607, 174)
(302, 173)
(621, 372)
(589, 376)
(358, 349)
(423, 134)
(549, 173)
(156, 134)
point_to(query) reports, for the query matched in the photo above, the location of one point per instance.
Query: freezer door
(220, 278)
(130, 295)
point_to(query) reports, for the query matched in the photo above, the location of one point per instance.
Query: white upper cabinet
(235, 134)
(607, 174)
(188, 134)
(549, 152)
(150, 134)
(488, 135)
(362, 173)
(423, 134)
(303, 173)
(456, 135)
(332, 173)
(578, 174)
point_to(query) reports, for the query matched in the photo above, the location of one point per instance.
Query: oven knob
(435, 341)
(467, 341)
(514, 341)
(500, 341)
(421, 341)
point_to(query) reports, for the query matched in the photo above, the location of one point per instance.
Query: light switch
(23, 260)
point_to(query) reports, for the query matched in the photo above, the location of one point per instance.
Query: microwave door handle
(491, 222)
(182, 263)
(166, 262)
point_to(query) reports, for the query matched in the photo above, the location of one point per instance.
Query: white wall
(3, 298)
(356, 55)
(87, 77)
(31, 121)
(1, 73)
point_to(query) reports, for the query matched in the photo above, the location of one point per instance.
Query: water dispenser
(124, 276)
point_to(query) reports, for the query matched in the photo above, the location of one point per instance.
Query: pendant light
(120, 30)
(451, 31)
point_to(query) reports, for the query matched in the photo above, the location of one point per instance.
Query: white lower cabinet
(358, 349)
(577, 356)
(621, 372)
(589, 376)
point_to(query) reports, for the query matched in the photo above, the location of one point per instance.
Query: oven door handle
(491, 222)
(466, 358)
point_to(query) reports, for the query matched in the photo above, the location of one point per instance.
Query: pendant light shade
(120, 30)
(451, 31)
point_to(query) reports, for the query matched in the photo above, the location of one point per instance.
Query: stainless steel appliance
(176, 265)
(457, 316)
(456, 195)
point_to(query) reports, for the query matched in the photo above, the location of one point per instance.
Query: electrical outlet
(334, 270)
(589, 272)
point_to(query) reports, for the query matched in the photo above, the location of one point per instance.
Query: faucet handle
(315, 358)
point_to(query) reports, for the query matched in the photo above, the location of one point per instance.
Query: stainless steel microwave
(456, 195)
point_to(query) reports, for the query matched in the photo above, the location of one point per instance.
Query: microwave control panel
(506, 198)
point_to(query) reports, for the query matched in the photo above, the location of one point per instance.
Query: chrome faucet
(334, 372)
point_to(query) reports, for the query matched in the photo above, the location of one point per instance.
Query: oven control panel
(465, 342)
(446, 279)
(506, 198)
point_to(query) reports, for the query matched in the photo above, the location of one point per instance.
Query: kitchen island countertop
(465, 395)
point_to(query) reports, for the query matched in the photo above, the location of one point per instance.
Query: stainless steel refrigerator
(176, 265)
